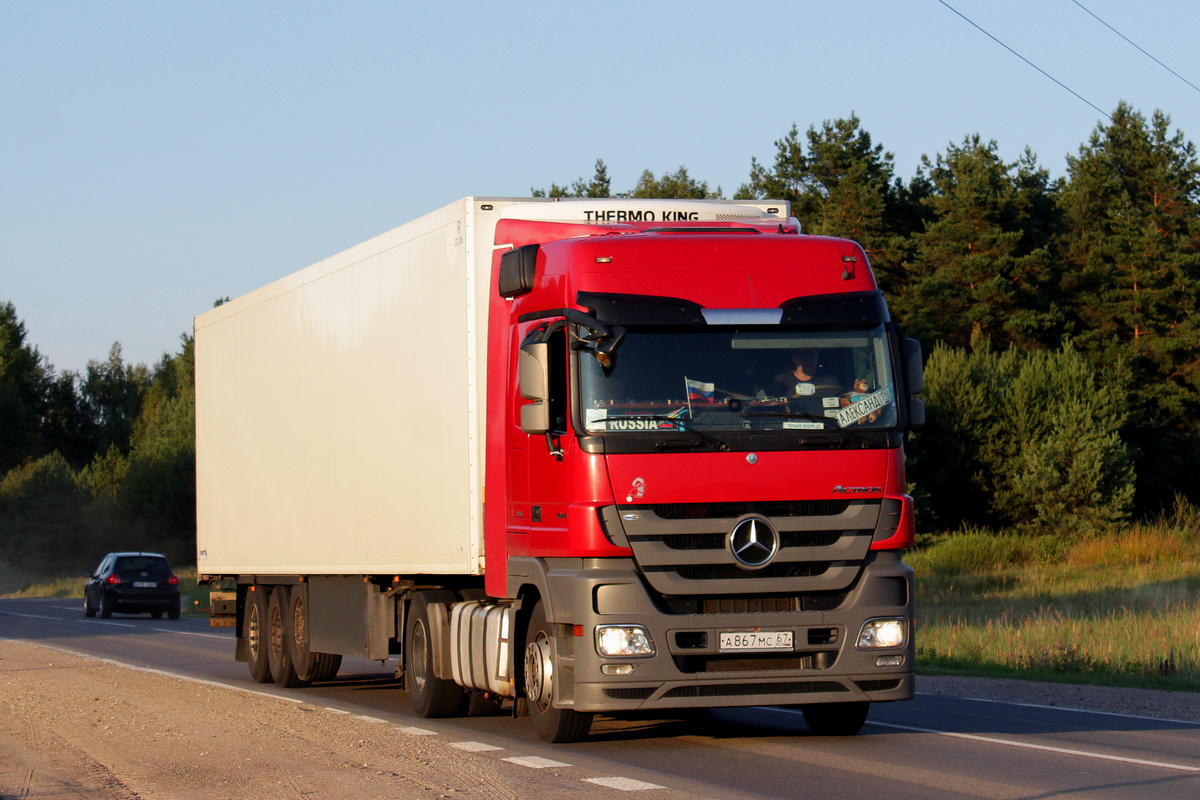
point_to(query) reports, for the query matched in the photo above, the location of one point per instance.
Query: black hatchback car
(132, 583)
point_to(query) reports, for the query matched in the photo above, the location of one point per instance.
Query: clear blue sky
(155, 156)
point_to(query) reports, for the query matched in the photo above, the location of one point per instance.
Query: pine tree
(1132, 268)
(977, 267)
(841, 184)
(24, 381)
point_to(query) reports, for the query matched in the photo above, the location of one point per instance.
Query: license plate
(749, 641)
(145, 584)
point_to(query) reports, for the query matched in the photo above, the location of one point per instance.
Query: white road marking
(366, 718)
(190, 633)
(1068, 708)
(1043, 747)
(535, 762)
(624, 784)
(475, 747)
(418, 732)
(30, 616)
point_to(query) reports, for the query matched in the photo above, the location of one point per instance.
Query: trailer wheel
(555, 725)
(255, 633)
(431, 696)
(835, 719)
(278, 634)
(326, 666)
(303, 658)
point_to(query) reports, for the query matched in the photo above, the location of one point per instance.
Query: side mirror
(913, 366)
(533, 375)
(914, 371)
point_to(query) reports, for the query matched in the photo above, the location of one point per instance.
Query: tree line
(1058, 317)
(95, 461)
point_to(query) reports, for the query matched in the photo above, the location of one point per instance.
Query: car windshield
(742, 379)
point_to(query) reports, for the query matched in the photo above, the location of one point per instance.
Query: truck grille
(784, 508)
(683, 549)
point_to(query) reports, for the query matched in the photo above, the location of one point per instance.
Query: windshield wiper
(679, 423)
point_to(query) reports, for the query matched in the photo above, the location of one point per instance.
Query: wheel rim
(420, 647)
(539, 672)
(275, 633)
(299, 631)
(254, 633)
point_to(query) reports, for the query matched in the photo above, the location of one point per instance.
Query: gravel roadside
(75, 727)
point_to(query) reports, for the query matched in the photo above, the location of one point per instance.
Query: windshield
(742, 380)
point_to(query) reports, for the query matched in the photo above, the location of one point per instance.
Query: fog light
(623, 641)
(883, 632)
(889, 661)
(617, 669)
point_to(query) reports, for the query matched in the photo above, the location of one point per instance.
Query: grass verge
(1119, 610)
(12, 585)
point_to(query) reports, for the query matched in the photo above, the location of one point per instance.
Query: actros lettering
(632, 215)
(857, 490)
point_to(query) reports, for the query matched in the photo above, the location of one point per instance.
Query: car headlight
(623, 641)
(883, 632)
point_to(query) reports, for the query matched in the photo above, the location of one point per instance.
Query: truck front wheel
(555, 725)
(835, 719)
(431, 696)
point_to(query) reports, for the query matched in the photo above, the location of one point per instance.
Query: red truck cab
(695, 471)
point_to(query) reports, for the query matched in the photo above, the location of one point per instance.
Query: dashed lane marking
(418, 732)
(475, 747)
(535, 762)
(623, 784)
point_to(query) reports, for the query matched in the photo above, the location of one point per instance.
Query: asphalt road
(930, 748)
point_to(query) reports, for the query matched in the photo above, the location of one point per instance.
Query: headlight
(883, 632)
(623, 641)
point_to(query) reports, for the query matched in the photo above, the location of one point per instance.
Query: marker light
(623, 641)
(883, 632)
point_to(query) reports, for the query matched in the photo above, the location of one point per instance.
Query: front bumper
(689, 670)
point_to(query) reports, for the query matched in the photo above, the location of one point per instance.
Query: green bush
(1027, 439)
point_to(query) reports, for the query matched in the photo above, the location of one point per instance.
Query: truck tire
(835, 719)
(278, 634)
(255, 634)
(303, 658)
(326, 666)
(431, 696)
(554, 725)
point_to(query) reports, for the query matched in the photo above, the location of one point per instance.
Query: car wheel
(106, 606)
(173, 610)
(255, 633)
(431, 696)
(278, 634)
(88, 611)
(555, 725)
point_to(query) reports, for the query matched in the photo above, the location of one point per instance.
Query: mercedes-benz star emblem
(753, 543)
